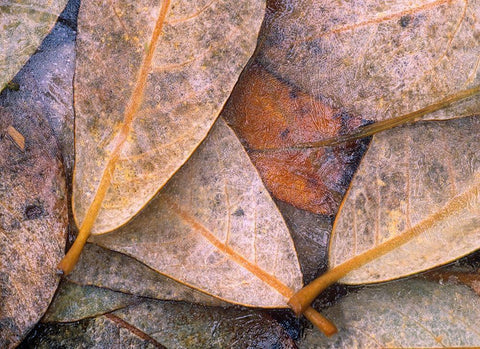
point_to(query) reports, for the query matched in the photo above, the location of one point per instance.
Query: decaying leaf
(150, 80)
(109, 269)
(374, 58)
(214, 227)
(23, 25)
(157, 324)
(274, 119)
(406, 314)
(33, 219)
(417, 188)
(73, 302)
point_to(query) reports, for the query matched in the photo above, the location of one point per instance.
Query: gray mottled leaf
(74, 302)
(23, 25)
(403, 314)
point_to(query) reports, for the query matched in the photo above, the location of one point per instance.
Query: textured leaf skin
(214, 227)
(109, 269)
(23, 25)
(151, 78)
(422, 181)
(273, 119)
(33, 220)
(406, 314)
(374, 58)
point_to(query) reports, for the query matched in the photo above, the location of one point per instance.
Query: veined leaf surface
(214, 227)
(151, 79)
(418, 186)
(378, 59)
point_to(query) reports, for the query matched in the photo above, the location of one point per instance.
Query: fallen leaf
(109, 269)
(150, 81)
(374, 58)
(406, 314)
(23, 25)
(214, 227)
(33, 219)
(275, 119)
(157, 324)
(417, 190)
(74, 302)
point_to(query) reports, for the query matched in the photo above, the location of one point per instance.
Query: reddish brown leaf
(276, 122)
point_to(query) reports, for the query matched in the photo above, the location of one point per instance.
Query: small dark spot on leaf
(239, 212)
(284, 133)
(34, 211)
(405, 20)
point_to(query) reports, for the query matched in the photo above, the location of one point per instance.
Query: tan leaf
(375, 58)
(23, 25)
(33, 219)
(417, 190)
(151, 79)
(214, 227)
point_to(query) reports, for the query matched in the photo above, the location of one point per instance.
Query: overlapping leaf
(23, 25)
(150, 81)
(417, 189)
(378, 59)
(214, 227)
(407, 314)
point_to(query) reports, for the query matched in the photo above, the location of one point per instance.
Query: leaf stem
(304, 297)
(320, 322)
(379, 126)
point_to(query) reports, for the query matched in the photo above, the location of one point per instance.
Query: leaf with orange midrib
(136, 124)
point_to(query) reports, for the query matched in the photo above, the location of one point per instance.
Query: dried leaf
(150, 80)
(23, 25)
(33, 219)
(156, 324)
(378, 59)
(116, 271)
(274, 119)
(417, 189)
(214, 227)
(407, 314)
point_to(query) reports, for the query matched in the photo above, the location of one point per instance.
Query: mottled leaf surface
(156, 324)
(109, 269)
(374, 58)
(214, 227)
(151, 78)
(274, 119)
(406, 314)
(23, 25)
(33, 219)
(419, 182)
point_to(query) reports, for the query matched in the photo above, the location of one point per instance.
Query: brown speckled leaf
(109, 269)
(23, 25)
(214, 227)
(418, 188)
(33, 220)
(375, 58)
(272, 118)
(151, 78)
(404, 314)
